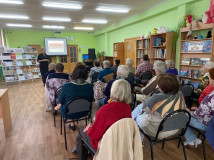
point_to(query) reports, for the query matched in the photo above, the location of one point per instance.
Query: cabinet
(118, 51)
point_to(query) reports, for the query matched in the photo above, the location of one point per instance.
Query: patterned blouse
(143, 67)
(205, 111)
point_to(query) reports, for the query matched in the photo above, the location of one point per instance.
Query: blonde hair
(170, 63)
(129, 61)
(121, 91)
(52, 66)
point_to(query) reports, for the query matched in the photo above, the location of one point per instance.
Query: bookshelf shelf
(188, 40)
(195, 52)
(197, 79)
(159, 58)
(158, 46)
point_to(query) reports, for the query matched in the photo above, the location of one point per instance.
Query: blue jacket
(210, 132)
(105, 72)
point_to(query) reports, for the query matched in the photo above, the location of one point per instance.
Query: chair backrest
(155, 91)
(94, 77)
(82, 105)
(187, 90)
(56, 96)
(177, 120)
(133, 100)
(146, 76)
(108, 77)
(131, 77)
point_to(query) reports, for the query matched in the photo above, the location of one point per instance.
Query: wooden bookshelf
(118, 51)
(185, 53)
(160, 51)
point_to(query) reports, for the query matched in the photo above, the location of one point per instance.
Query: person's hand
(194, 108)
(188, 109)
(87, 127)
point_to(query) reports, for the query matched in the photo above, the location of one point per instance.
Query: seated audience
(116, 64)
(96, 68)
(129, 64)
(107, 70)
(149, 114)
(170, 65)
(143, 67)
(110, 113)
(52, 68)
(160, 68)
(205, 80)
(201, 116)
(77, 87)
(122, 73)
(56, 80)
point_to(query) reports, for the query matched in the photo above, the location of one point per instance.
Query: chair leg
(65, 135)
(203, 147)
(163, 143)
(185, 157)
(151, 149)
(61, 125)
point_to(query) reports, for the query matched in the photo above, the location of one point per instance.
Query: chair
(78, 105)
(94, 77)
(133, 100)
(177, 120)
(56, 101)
(155, 91)
(131, 77)
(146, 76)
(108, 77)
(187, 91)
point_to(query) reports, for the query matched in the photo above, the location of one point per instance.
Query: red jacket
(205, 92)
(105, 117)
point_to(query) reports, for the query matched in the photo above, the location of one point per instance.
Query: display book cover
(195, 85)
(195, 61)
(158, 41)
(197, 46)
(196, 74)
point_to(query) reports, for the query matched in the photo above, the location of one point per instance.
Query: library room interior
(106, 80)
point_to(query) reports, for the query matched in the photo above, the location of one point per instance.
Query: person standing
(43, 62)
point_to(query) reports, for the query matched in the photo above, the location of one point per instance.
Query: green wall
(16, 39)
(167, 14)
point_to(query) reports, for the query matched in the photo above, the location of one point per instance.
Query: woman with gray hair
(129, 64)
(107, 70)
(160, 68)
(122, 73)
(170, 64)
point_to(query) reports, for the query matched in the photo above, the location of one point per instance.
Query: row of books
(190, 73)
(17, 50)
(8, 56)
(146, 43)
(187, 81)
(159, 53)
(19, 63)
(194, 61)
(139, 44)
(115, 46)
(20, 71)
(197, 46)
(28, 76)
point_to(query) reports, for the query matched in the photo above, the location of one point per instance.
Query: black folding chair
(146, 76)
(187, 91)
(133, 101)
(78, 105)
(56, 101)
(177, 120)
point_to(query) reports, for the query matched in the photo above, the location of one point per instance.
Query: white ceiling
(35, 10)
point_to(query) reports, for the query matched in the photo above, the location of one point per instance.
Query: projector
(57, 32)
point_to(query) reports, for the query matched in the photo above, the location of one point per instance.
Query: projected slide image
(56, 46)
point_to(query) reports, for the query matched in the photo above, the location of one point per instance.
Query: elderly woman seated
(170, 64)
(149, 114)
(110, 113)
(160, 68)
(122, 73)
(77, 87)
(107, 70)
(201, 115)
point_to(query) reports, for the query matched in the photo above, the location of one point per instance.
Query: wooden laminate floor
(33, 136)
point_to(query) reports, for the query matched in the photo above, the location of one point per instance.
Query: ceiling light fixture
(53, 27)
(6, 16)
(84, 28)
(116, 10)
(96, 21)
(62, 5)
(12, 1)
(19, 25)
(55, 19)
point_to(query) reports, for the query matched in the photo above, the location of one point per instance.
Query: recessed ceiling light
(7, 16)
(84, 28)
(98, 21)
(19, 25)
(62, 5)
(53, 27)
(116, 10)
(56, 19)
(12, 1)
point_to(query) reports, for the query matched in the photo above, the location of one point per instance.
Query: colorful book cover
(201, 74)
(12, 56)
(195, 61)
(189, 73)
(195, 74)
(183, 72)
(186, 81)
(207, 46)
(195, 46)
(18, 55)
(203, 61)
(1, 49)
(185, 46)
(185, 61)
(195, 85)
